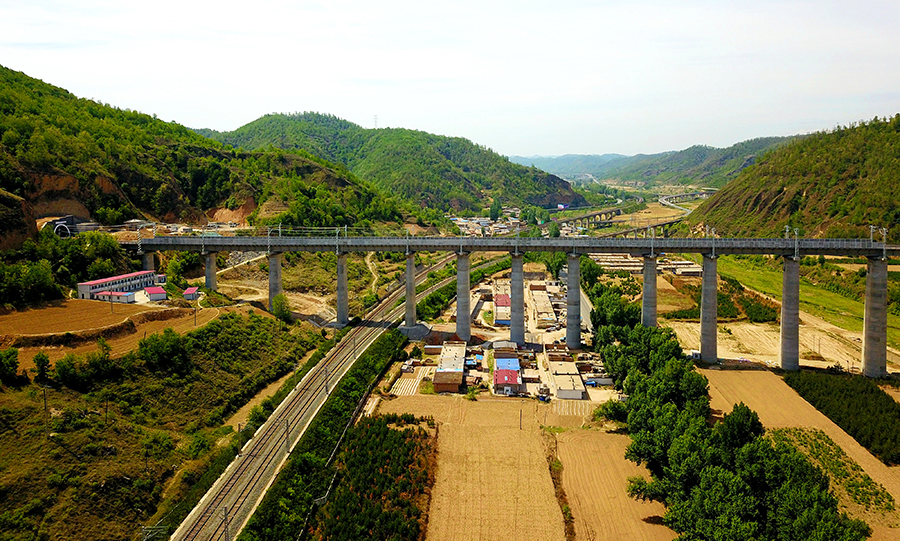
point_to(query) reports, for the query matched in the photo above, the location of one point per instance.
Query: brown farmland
(70, 315)
(595, 475)
(493, 481)
(779, 406)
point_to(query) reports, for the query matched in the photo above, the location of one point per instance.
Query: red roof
(506, 377)
(115, 293)
(155, 290)
(502, 300)
(190, 291)
(119, 277)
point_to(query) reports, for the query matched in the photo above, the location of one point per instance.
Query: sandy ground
(493, 481)
(779, 406)
(71, 315)
(595, 475)
(762, 342)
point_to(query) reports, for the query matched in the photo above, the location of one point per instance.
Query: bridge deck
(636, 247)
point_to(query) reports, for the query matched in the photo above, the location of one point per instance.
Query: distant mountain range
(696, 166)
(432, 171)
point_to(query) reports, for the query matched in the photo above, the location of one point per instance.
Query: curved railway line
(236, 494)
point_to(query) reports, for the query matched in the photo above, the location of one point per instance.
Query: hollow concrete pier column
(274, 277)
(573, 302)
(463, 310)
(708, 307)
(410, 319)
(874, 351)
(790, 315)
(517, 301)
(147, 262)
(648, 299)
(343, 308)
(211, 270)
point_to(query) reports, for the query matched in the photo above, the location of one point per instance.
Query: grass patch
(832, 307)
(841, 469)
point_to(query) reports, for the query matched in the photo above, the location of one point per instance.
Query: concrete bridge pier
(410, 318)
(648, 298)
(708, 310)
(463, 288)
(343, 308)
(517, 301)
(573, 302)
(274, 276)
(874, 350)
(790, 315)
(147, 262)
(211, 270)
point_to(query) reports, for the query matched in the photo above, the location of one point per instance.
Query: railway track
(227, 506)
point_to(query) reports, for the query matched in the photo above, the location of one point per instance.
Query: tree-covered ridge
(430, 170)
(120, 164)
(699, 165)
(828, 184)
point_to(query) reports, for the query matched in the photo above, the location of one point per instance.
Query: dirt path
(492, 481)
(373, 270)
(595, 476)
(779, 406)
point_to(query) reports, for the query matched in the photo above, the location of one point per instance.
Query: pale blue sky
(519, 77)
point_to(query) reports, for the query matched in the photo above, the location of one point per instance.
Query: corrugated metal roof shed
(507, 364)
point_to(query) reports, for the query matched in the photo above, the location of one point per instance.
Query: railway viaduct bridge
(874, 349)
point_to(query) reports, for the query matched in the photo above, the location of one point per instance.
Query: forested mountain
(829, 184)
(696, 166)
(571, 166)
(67, 155)
(433, 171)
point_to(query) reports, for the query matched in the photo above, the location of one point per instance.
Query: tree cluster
(858, 405)
(383, 471)
(719, 482)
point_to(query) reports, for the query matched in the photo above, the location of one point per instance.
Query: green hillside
(433, 171)
(698, 165)
(829, 184)
(68, 155)
(571, 166)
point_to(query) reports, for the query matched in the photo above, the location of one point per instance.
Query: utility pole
(225, 522)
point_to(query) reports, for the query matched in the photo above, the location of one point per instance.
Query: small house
(156, 293)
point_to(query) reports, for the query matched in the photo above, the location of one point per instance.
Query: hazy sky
(520, 77)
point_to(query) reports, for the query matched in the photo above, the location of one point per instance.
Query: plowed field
(595, 475)
(70, 315)
(493, 481)
(779, 406)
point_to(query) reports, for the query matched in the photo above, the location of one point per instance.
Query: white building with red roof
(156, 293)
(132, 281)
